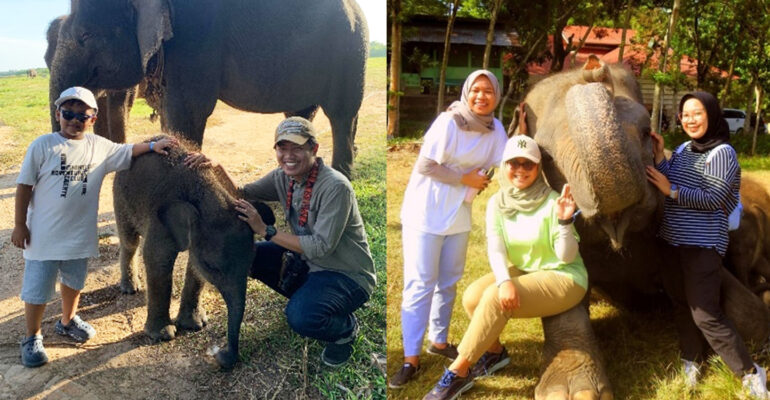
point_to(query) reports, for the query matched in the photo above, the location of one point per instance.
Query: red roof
(605, 42)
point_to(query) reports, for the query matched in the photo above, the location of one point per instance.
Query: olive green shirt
(334, 238)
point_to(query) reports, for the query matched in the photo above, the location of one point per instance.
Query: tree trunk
(445, 58)
(626, 22)
(729, 80)
(656, 106)
(491, 33)
(394, 92)
(758, 92)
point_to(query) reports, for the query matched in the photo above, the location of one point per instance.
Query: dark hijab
(718, 132)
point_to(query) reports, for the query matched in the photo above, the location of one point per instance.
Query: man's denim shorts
(39, 283)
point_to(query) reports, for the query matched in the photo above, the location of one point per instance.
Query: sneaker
(32, 351)
(450, 386)
(450, 351)
(756, 383)
(489, 363)
(77, 329)
(404, 375)
(691, 373)
(336, 354)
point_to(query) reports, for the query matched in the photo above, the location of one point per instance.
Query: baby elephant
(176, 208)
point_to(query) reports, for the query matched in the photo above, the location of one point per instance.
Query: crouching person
(323, 265)
(57, 200)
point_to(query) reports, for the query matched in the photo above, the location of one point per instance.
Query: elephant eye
(84, 36)
(646, 132)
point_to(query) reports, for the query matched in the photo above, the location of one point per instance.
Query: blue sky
(23, 24)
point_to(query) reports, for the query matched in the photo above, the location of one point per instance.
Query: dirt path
(120, 361)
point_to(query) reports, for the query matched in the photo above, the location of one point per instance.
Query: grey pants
(692, 279)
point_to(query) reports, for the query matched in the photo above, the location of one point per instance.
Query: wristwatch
(674, 192)
(270, 231)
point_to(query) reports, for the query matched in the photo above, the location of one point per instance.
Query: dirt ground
(121, 362)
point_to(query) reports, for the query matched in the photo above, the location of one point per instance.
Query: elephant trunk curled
(596, 153)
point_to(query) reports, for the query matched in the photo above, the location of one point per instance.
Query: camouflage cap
(295, 129)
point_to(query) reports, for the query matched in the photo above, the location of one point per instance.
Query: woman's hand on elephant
(199, 160)
(162, 146)
(657, 146)
(20, 236)
(249, 214)
(522, 119)
(509, 298)
(475, 180)
(565, 204)
(659, 180)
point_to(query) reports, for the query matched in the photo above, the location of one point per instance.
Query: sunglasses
(82, 117)
(526, 165)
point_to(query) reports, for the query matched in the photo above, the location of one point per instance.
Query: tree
(445, 58)
(491, 32)
(656, 99)
(394, 92)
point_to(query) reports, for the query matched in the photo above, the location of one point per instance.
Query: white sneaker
(691, 373)
(756, 383)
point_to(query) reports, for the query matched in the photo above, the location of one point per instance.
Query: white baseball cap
(521, 146)
(77, 93)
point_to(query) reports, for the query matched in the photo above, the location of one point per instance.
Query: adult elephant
(114, 105)
(262, 56)
(594, 133)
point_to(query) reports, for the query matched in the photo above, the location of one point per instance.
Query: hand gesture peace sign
(565, 204)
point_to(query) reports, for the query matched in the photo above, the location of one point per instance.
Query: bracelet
(566, 221)
(152, 144)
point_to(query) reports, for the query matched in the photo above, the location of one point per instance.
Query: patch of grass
(640, 349)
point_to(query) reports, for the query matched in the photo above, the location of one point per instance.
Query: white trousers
(432, 266)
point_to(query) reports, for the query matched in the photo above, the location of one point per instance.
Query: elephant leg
(185, 107)
(572, 364)
(102, 124)
(344, 134)
(117, 103)
(306, 113)
(233, 290)
(191, 316)
(129, 241)
(159, 255)
(747, 311)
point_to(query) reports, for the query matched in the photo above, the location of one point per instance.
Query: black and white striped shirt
(708, 192)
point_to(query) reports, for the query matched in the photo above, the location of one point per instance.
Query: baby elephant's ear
(179, 218)
(265, 212)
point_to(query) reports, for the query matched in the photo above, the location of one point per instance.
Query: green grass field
(264, 334)
(640, 349)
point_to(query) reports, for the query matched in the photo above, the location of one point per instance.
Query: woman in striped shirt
(701, 182)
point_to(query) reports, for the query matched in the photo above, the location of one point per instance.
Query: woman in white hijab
(436, 215)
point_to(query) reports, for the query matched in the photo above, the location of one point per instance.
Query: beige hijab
(461, 111)
(510, 199)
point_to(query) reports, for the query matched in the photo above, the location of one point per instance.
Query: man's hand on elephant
(475, 180)
(509, 298)
(249, 214)
(657, 146)
(565, 204)
(199, 160)
(20, 236)
(659, 180)
(162, 146)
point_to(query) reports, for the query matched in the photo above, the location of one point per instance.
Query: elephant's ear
(153, 26)
(180, 218)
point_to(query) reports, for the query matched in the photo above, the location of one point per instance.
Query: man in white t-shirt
(57, 201)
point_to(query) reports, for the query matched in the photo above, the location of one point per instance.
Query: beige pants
(541, 294)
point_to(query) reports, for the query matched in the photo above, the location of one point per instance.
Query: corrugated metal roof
(460, 35)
